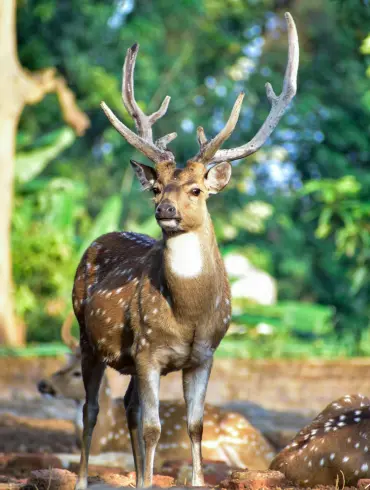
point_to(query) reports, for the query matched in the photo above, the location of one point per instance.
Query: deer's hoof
(81, 484)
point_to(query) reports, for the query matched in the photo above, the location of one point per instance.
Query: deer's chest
(141, 316)
(178, 339)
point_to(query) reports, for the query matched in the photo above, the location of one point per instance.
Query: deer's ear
(218, 177)
(146, 175)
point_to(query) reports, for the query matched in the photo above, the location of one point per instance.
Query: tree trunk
(18, 88)
(9, 334)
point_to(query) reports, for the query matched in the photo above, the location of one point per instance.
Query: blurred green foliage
(298, 208)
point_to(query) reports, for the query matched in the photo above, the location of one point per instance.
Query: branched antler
(143, 141)
(209, 150)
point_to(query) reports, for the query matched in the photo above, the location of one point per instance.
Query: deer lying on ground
(229, 436)
(336, 445)
(147, 307)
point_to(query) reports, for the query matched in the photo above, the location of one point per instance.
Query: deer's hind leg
(133, 415)
(92, 373)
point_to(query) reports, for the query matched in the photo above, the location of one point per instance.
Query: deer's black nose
(165, 210)
(45, 388)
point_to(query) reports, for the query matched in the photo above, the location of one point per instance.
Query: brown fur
(334, 446)
(147, 308)
(129, 304)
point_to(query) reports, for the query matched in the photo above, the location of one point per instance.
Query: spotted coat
(335, 445)
(127, 306)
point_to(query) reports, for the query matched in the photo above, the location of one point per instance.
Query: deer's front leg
(195, 381)
(148, 385)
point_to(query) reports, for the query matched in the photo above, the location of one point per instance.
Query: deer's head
(67, 382)
(180, 194)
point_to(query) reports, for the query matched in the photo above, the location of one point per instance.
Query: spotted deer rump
(335, 445)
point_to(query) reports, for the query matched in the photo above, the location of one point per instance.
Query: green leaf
(148, 227)
(106, 221)
(31, 163)
(358, 279)
(324, 227)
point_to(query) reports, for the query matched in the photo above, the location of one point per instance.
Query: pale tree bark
(19, 87)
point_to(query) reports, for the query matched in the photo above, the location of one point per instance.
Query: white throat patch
(185, 255)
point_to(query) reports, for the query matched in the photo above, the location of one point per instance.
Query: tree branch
(36, 85)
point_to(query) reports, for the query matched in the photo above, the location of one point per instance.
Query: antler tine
(66, 335)
(209, 148)
(143, 141)
(279, 105)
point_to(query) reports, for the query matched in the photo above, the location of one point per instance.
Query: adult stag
(148, 307)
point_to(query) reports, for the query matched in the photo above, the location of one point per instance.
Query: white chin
(169, 224)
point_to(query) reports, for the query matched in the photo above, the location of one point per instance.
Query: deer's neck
(191, 267)
(184, 256)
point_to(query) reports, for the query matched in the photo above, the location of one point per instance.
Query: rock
(128, 480)
(58, 479)
(363, 484)
(55, 479)
(180, 471)
(163, 481)
(98, 470)
(9, 483)
(158, 480)
(255, 480)
(114, 479)
(20, 464)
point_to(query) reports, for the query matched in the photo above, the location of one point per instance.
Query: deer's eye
(156, 190)
(77, 374)
(196, 191)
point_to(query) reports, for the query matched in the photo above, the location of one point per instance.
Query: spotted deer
(335, 446)
(229, 437)
(148, 307)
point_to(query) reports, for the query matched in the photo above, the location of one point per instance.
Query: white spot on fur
(185, 255)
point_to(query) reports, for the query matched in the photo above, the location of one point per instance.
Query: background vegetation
(298, 209)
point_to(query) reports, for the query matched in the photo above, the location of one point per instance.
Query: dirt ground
(278, 397)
